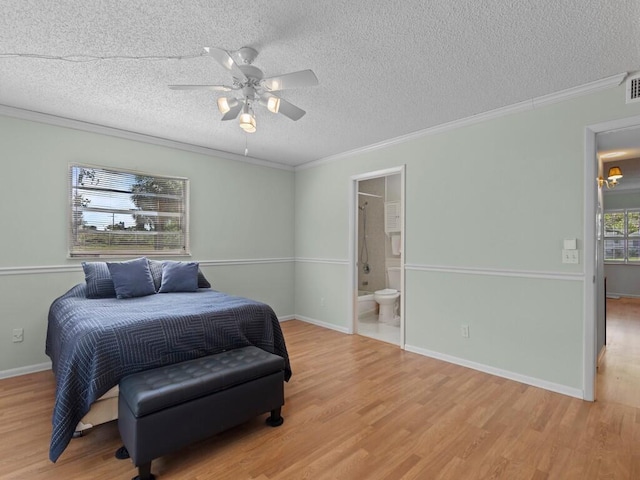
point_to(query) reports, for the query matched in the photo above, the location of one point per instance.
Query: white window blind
(117, 212)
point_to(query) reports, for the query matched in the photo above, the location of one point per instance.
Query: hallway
(618, 378)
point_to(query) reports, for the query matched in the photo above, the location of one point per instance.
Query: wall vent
(633, 88)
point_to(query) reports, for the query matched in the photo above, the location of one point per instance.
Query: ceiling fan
(249, 81)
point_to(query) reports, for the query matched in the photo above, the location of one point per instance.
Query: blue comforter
(93, 343)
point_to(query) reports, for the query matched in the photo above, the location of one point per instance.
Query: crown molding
(592, 87)
(65, 122)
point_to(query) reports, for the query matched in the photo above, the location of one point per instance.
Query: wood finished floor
(357, 408)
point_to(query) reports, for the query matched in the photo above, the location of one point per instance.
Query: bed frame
(103, 410)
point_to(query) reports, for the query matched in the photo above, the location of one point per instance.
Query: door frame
(591, 297)
(352, 283)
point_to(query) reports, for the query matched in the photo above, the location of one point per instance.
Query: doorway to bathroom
(377, 255)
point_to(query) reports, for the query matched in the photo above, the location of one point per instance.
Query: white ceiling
(623, 143)
(386, 67)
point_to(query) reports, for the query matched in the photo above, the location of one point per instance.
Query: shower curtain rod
(369, 195)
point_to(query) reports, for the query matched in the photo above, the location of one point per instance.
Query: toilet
(388, 298)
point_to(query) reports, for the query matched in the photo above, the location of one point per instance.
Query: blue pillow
(98, 278)
(132, 278)
(179, 277)
(156, 273)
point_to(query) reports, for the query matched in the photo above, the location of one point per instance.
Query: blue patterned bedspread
(93, 343)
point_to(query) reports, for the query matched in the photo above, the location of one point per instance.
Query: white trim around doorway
(352, 275)
(590, 284)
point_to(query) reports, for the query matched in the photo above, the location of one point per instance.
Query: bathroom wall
(376, 241)
(393, 194)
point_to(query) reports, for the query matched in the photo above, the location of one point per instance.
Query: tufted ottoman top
(154, 390)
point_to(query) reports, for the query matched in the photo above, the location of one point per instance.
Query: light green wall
(322, 302)
(616, 200)
(497, 195)
(238, 211)
(522, 325)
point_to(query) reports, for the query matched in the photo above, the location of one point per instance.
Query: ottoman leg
(275, 420)
(144, 472)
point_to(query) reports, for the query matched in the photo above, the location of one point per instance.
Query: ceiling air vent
(633, 88)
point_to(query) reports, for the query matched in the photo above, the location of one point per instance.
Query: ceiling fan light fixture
(225, 104)
(273, 104)
(254, 87)
(248, 122)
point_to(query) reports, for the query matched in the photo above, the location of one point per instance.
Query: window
(622, 236)
(116, 212)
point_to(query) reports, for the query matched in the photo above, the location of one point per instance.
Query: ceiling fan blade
(224, 59)
(287, 109)
(290, 110)
(303, 78)
(233, 113)
(215, 88)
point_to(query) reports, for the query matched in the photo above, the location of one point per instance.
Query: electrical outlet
(18, 335)
(464, 331)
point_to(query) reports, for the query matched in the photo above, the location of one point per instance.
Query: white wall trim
(39, 270)
(42, 269)
(15, 372)
(244, 261)
(498, 272)
(352, 247)
(129, 135)
(535, 382)
(378, 173)
(531, 104)
(319, 323)
(286, 318)
(329, 261)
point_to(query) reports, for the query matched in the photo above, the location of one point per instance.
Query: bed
(94, 342)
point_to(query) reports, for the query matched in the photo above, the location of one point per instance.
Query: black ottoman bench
(167, 408)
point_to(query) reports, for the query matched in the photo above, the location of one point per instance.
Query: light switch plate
(570, 256)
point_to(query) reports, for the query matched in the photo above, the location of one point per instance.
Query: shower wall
(375, 279)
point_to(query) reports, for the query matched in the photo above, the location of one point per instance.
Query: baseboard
(286, 318)
(15, 372)
(616, 295)
(319, 323)
(535, 382)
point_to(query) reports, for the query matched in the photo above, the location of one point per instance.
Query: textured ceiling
(386, 67)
